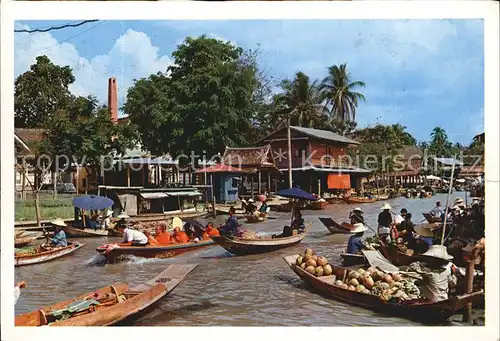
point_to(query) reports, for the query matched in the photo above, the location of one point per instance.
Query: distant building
(319, 158)
(480, 138)
(410, 162)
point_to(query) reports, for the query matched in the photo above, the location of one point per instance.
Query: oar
(371, 228)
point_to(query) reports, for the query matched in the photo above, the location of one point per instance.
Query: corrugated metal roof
(324, 135)
(184, 194)
(153, 195)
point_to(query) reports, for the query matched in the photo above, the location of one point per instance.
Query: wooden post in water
(319, 187)
(469, 276)
(447, 200)
(260, 182)
(269, 182)
(289, 138)
(213, 195)
(128, 176)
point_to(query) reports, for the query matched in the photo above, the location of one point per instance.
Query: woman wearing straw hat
(59, 239)
(385, 222)
(438, 273)
(107, 219)
(356, 216)
(355, 242)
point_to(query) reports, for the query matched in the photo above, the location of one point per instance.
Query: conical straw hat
(386, 207)
(422, 231)
(58, 222)
(359, 228)
(438, 251)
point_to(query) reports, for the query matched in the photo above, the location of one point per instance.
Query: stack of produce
(314, 264)
(371, 243)
(375, 282)
(247, 234)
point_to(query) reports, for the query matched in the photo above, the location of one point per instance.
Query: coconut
(309, 252)
(315, 257)
(351, 287)
(361, 271)
(338, 283)
(303, 265)
(299, 261)
(368, 282)
(344, 286)
(311, 269)
(360, 288)
(354, 282)
(319, 271)
(321, 261)
(397, 277)
(312, 262)
(307, 257)
(354, 275)
(388, 279)
(327, 270)
(371, 269)
(366, 291)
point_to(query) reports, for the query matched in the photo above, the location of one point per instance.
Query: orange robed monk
(179, 235)
(151, 240)
(162, 235)
(212, 231)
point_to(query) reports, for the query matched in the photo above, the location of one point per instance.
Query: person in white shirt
(17, 290)
(107, 219)
(437, 211)
(399, 218)
(132, 237)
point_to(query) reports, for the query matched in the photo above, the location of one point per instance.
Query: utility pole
(290, 181)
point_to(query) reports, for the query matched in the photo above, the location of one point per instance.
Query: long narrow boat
(21, 259)
(435, 313)
(111, 305)
(252, 219)
(317, 205)
(335, 227)
(241, 247)
(359, 200)
(350, 259)
(382, 197)
(114, 254)
(78, 232)
(22, 242)
(223, 210)
(431, 219)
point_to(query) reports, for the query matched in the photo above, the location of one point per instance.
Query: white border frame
(488, 10)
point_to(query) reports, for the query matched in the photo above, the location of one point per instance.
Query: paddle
(371, 228)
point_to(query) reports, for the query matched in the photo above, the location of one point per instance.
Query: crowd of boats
(435, 252)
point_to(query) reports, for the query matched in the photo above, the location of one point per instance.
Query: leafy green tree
(402, 135)
(203, 102)
(439, 145)
(301, 100)
(339, 91)
(40, 92)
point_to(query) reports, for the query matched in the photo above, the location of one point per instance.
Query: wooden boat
(241, 247)
(114, 233)
(351, 259)
(252, 219)
(435, 313)
(317, 205)
(79, 232)
(382, 197)
(115, 254)
(359, 200)
(45, 256)
(431, 219)
(223, 210)
(335, 227)
(111, 305)
(18, 234)
(335, 201)
(21, 242)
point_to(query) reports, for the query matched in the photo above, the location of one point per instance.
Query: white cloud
(132, 56)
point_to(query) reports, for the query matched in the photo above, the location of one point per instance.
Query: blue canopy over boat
(92, 202)
(296, 193)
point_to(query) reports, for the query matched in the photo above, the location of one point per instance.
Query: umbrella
(92, 202)
(296, 193)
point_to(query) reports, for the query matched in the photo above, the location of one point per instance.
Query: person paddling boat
(59, 239)
(355, 242)
(356, 216)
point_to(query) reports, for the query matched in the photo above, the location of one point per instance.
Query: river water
(224, 290)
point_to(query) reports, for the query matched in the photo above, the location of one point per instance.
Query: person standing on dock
(385, 222)
(355, 242)
(17, 290)
(356, 216)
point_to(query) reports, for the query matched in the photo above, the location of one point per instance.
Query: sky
(419, 73)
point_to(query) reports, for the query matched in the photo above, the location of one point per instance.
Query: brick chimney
(113, 99)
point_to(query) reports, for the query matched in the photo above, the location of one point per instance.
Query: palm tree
(302, 100)
(440, 145)
(338, 90)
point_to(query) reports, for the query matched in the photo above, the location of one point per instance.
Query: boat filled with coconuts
(369, 287)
